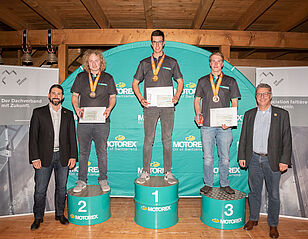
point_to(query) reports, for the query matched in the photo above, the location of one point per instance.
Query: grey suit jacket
(279, 139)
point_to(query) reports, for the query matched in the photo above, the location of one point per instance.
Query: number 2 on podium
(83, 205)
(155, 193)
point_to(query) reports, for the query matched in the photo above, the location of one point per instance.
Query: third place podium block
(156, 203)
(223, 211)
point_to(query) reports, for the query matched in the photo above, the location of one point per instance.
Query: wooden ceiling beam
(202, 13)
(96, 12)
(148, 13)
(201, 38)
(243, 55)
(257, 9)
(10, 19)
(294, 19)
(49, 15)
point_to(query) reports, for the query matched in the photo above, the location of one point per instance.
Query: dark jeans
(99, 134)
(41, 178)
(260, 169)
(151, 116)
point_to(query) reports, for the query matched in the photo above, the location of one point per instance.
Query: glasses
(265, 94)
(157, 42)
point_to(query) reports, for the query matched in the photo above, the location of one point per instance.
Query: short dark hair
(264, 85)
(217, 53)
(157, 33)
(56, 86)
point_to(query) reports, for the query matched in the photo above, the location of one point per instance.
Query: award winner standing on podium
(94, 88)
(216, 91)
(157, 72)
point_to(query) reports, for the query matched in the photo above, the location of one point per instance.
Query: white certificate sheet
(160, 96)
(220, 116)
(93, 115)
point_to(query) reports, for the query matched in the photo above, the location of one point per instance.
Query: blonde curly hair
(87, 54)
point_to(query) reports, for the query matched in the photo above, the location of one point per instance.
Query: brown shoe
(250, 224)
(205, 189)
(273, 232)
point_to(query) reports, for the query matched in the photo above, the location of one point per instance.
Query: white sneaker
(104, 185)
(170, 178)
(80, 186)
(145, 176)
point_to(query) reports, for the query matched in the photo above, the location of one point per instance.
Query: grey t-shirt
(169, 69)
(105, 88)
(228, 90)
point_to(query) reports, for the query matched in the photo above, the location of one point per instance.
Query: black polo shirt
(169, 69)
(105, 88)
(228, 90)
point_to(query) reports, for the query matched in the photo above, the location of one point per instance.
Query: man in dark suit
(52, 145)
(265, 147)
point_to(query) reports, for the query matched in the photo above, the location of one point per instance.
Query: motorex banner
(126, 135)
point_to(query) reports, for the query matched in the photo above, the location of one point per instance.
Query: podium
(223, 211)
(156, 203)
(88, 207)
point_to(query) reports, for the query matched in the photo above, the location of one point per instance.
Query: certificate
(93, 115)
(160, 96)
(220, 116)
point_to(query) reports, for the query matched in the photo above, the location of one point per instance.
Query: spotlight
(52, 58)
(26, 48)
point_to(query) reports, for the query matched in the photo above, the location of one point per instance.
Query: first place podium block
(156, 203)
(223, 211)
(89, 207)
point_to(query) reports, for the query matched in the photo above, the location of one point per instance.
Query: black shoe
(63, 220)
(228, 190)
(36, 224)
(206, 189)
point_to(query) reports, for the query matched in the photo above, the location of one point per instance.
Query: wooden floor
(122, 225)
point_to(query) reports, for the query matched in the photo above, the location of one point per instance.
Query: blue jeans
(41, 179)
(99, 134)
(151, 116)
(223, 141)
(260, 169)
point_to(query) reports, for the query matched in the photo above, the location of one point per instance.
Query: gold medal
(216, 98)
(156, 69)
(155, 78)
(93, 86)
(215, 89)
(92, 94)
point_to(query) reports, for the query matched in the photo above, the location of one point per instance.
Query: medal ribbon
(215, 89)
(93, 86)
(156, 70)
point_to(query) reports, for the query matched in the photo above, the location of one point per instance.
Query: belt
(261, 154)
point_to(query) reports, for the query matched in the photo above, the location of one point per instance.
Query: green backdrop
(126, 135)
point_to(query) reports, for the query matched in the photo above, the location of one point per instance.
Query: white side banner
(21, 90)
(290, 92)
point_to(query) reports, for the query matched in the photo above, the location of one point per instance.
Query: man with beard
(52, 146)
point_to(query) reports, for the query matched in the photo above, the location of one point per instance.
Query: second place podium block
(156, 203)
(89, 207)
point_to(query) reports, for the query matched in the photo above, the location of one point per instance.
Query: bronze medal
(215, 89)
(216, 98)
(92, 94)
